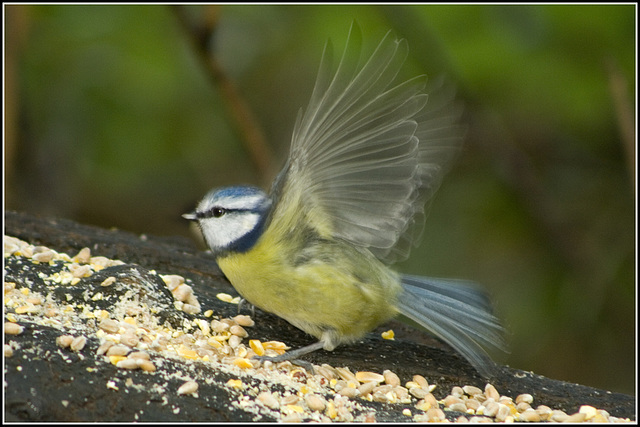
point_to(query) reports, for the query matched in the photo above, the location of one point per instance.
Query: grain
(12, 328)
(190, 387)
(78, 343)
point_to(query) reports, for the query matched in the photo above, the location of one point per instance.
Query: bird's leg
(293, 356)
(243, 302)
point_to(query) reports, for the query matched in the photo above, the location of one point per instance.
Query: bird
(366, 157)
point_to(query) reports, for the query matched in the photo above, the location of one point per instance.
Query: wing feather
(366, 154)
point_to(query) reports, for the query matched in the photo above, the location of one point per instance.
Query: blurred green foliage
(111, 119)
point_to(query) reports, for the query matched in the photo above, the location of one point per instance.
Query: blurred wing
(366, 154)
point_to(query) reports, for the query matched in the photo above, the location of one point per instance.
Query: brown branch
(624, 114)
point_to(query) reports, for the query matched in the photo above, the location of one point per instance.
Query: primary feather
(367, 154)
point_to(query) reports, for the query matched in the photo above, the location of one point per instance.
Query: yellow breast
(326, 286)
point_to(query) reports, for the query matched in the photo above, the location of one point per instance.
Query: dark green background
(112, 120)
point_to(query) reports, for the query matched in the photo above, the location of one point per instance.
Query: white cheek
(248, 222)
(222, 232)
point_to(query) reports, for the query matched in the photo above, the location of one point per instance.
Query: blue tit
(366, 156)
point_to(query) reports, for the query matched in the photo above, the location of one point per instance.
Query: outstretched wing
(366, 155)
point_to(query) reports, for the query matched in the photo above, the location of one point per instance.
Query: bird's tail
(456, 311)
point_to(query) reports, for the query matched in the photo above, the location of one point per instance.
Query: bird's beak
(191, 216)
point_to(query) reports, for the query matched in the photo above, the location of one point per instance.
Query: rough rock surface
(45, 381)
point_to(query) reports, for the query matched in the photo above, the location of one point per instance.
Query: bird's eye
(218, 212)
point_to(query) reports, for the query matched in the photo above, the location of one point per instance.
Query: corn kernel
(388, 335)
(257, 347)
(115, 359)
(235, 383)
(243, 363)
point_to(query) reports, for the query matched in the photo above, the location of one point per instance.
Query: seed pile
(130, 337)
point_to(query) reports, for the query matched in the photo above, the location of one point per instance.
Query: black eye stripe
(217, 212)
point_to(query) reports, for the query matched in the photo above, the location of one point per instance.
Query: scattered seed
(471, 390)
(435, 414)
(187, 353)
(127, 364)
(472, 404)
(146, 365)
(234, 341)
(108, 281)
(244, 320)
(110, 326)
(224, 297)
(315, 402)
(268, 400)
(102, 349)
(83, 257)
(100, 262)
(366, 388)
(326, 371)
(544, 412)
(139, 355)
(347, 375)
(78, 343)
(526, 398)
(35, 300)
(530, 416)
(503, 413)
(391, 378)
(578, 417)
(365, 377)
(331, 411)
(190, 387)
(79, 271)
(418, 392)
(239, 331)
(450, 400)
(293, 417)
(432, 400)
(349, 392)
(64, 341)
(277, 346)
(421, 381)
(243, 363)
(235, 383)
(11, 328)
(558, 416)
(589, 411)
(257, 347)
(129, 339)
(522, 406)
(491, 392)
(388, 335)
(191, 308)
(491, 409)
(457, 391)
(460, 407)
(118, 350)
(221, 341)
(172, 281)
(289, 400)
(182, 292)
(11, 245)
(44, 256)
(219, 327)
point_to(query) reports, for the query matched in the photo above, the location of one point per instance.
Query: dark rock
(47, 383)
